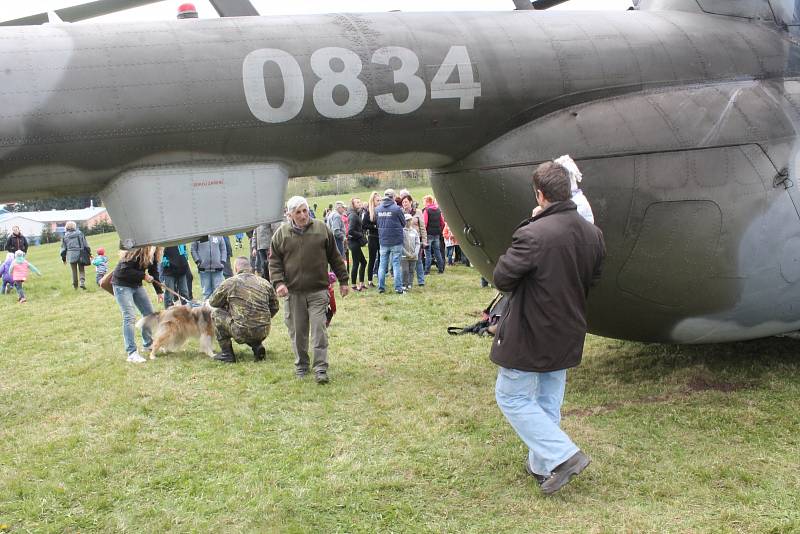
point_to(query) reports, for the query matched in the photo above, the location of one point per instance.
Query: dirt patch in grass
(696, 384)
(700, 383)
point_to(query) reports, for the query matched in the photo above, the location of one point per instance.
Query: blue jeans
(209, 280)
(129, 299)
(179, 285)
(392, 254)
(450, 251)
(340, 245)
(420, 272)
(532, 404)
(434, 249)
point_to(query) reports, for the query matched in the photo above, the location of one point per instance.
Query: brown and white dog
(172, 327)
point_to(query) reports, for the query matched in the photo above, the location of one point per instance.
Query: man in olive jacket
(553, 260)
(301, 251)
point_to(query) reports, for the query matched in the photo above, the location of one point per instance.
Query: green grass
(405, 438)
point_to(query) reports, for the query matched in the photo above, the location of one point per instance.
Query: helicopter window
(787, 11)
(749, 9)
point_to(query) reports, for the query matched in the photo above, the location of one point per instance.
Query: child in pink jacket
(19, 273)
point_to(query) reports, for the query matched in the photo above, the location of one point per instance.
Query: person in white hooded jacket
(575, 177)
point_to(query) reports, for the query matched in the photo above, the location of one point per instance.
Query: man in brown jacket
(299, 257)
(553, 260)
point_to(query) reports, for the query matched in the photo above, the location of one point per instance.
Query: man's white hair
(295, 202)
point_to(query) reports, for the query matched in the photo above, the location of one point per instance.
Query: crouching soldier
(244, 306)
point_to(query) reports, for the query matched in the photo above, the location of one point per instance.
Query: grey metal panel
(650, 121)
(664, 266)
(177, 204)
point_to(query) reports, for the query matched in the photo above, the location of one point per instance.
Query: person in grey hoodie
(263, 235)
(336, 224)
(72, 244)
(209, 253)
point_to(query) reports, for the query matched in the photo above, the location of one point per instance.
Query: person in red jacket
(434, 225)
(554, 258)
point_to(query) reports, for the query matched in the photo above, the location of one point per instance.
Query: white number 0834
(466, 89)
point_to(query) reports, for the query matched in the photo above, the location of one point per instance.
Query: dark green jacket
(300, 259)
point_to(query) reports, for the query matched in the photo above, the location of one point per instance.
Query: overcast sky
(166, 9)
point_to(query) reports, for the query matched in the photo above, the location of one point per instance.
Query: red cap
(187, 11)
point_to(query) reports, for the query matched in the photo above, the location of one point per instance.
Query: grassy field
(405, 438)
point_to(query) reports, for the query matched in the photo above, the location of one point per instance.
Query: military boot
(226, 353)
(259, 352)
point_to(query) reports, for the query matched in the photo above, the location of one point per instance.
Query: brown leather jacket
(553, 260)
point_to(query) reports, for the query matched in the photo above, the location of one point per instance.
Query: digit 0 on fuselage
(682, 116)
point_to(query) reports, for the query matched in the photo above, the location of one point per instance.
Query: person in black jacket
(355, 240)
(174, 270)
(16, 241)
(135, 266)
(554, 258)
(369, 224)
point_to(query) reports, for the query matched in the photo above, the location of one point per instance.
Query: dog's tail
(148, 322)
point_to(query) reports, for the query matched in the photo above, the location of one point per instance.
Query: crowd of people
(402, 239)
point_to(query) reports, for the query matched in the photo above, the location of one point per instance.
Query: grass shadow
(745, 361)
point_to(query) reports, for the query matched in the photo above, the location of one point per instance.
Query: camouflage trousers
(227, 329)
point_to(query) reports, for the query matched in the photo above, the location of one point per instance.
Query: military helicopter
(682, 115)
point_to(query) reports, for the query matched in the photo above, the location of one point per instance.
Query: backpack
(490, 318)
(410, 244)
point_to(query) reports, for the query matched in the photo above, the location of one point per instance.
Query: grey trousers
(304, 313)
(78, 270)
(409, 269)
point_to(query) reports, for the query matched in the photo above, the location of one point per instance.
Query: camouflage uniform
(244, 305)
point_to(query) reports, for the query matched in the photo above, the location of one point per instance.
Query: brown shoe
(565, 472)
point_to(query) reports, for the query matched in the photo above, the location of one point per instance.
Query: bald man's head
(242, 265)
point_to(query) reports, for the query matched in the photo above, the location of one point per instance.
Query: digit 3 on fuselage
(681, 114)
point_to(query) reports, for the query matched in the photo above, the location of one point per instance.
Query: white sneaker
(134, 357)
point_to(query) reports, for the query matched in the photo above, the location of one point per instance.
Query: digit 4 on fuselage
(682, 115)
